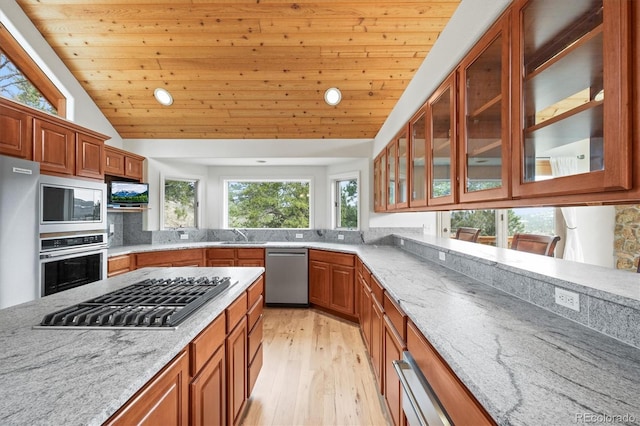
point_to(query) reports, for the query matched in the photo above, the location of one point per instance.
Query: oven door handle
(72, 252)
(422, 401)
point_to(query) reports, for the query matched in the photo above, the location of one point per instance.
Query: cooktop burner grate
(153, 303)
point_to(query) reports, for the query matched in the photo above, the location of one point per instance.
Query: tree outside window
(268, 204)
(180, 203)
(347, 204)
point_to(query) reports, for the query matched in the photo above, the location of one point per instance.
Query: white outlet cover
(184, 236)
(568, 299)
(442, 256)
(340, 237)
(401, 242)
(299, 236)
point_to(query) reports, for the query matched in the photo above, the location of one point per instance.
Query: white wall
(80, 107)
(596, 226)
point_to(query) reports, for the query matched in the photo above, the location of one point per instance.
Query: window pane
(268, 204)
(15, 85)
(180, 201)
(347, 204)
(533, 220)
(485, 220)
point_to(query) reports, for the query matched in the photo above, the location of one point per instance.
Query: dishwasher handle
(286, 254)
(420, 398)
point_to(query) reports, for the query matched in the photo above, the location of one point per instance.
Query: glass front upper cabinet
(391, 175)
(379, 182)
(484, 117)
(418, 159)
(402, 187)
(442, 142)
(569, 65)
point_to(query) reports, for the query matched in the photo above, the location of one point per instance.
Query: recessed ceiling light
(332, 96)
(163, 96)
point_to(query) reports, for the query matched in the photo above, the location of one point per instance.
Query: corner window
(346, 210)
(270, 204)
(180, 209)
(23, 81)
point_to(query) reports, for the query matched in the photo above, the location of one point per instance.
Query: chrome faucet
(242, 234)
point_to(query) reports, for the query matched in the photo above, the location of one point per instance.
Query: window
(269, 204)
(345, 195)
(23, 81)
(180, 208)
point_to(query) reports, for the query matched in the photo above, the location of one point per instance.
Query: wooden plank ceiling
(241, 69)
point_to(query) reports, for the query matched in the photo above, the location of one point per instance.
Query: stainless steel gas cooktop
(150, 304)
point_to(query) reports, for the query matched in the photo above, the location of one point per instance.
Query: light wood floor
(316, 372)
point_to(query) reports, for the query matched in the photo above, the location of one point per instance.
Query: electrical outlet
(340, 237)
(299, 236)
(442, 256)
(184, 236)
(401, 242)
(568, 299)
(112, 228)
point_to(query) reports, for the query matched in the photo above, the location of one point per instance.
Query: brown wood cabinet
(227, 256)
(117, 265)
(237, 370)
(208, 403)
(118, 162)
(255, 301)
(380, 182)
(89, 154)
(394, 330)
(187, 257)
(54, 147)
(377, 342)
(332, 281)
(15, 132)
(456, 399)
(164, 400)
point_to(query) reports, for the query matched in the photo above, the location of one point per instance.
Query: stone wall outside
(627, 237)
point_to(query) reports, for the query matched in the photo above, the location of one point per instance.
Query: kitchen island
(83, 376)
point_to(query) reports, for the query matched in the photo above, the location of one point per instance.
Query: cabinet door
(341, 289)
(418, 159)
(380, 182)
(572, 83)
(365, 315)
(319, 279)
(392, 150)
(376, 341)
(402, 182)
(164, 400)
(133, 168)
(393, 348)
(236, 371)
(442, 143)
(208, 392)
(484, 117)
(54, 148)
(89, 153)
(15, 133)
(113, 162)
(117, 265)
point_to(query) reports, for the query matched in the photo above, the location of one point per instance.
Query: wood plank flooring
(316, 372)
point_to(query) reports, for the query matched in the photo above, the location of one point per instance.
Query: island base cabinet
(236, 371)
(460, 405)
(164, 400)
(208, 389)
(393, 348)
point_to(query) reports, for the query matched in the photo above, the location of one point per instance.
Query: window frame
(335, 208)
(32, 71)
(200, 183)
(225, 196)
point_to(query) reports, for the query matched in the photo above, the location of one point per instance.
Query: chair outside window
(467, 234)
(532, 243)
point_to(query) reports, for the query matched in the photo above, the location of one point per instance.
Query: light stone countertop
(526, 365)
(81, 377)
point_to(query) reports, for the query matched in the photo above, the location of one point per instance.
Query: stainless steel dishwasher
(287, 278)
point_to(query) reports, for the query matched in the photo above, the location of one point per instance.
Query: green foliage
(485, 220)
(348, 204)
(180, 203)
(15, 85)
(268, 204)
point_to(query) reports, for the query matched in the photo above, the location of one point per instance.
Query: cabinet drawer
(255, 312)
(206, 344)
(168, 257)
(221, 253)
(255, 291)
(118, 265)
(254, 370)
(236, 311)
(255, 338)
(334, 258)
(376, 289)
(395, 315)
(250, 253)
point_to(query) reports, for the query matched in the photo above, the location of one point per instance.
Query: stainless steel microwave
(70, 205)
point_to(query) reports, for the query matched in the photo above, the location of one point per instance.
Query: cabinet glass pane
(383, 181)
(403, 172)
(484, 120)
(441, 145)
(418, 159)
(391, 178)
(563, 88)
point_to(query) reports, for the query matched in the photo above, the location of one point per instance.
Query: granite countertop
(523, 363)
(81, 377)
